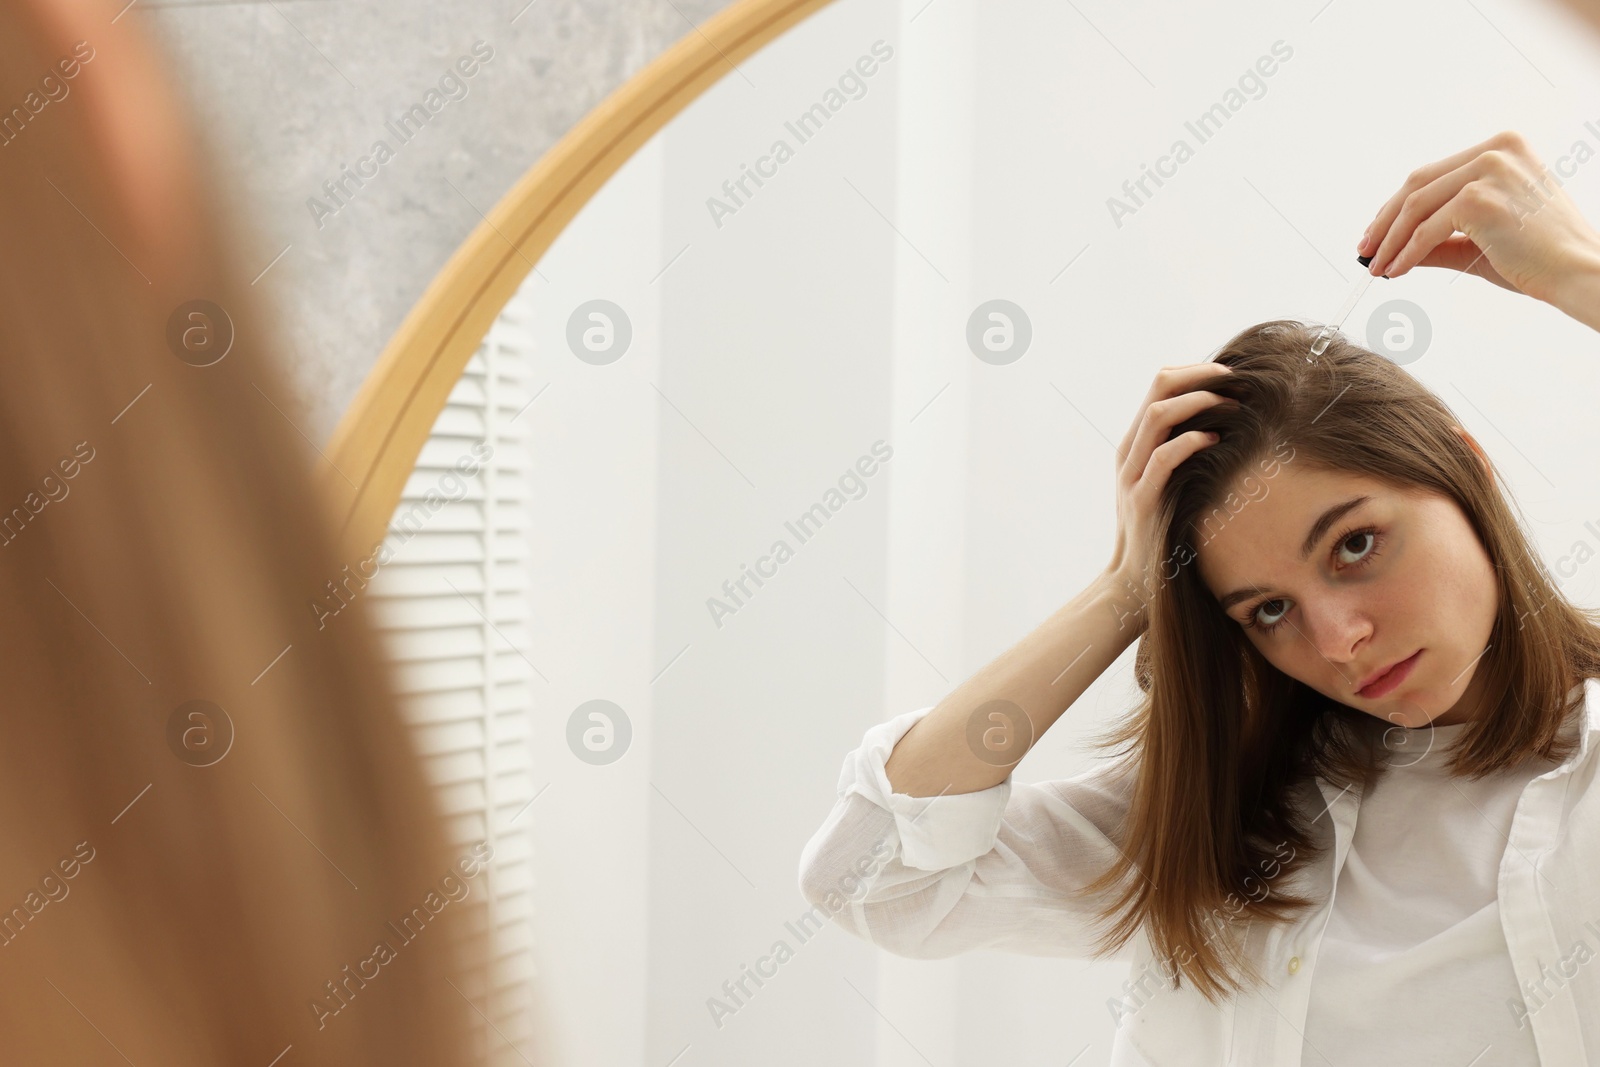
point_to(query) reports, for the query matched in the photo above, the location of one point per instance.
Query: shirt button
(1294, 964)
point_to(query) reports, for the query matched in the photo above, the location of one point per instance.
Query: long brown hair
(1223, 739)
(182, 890)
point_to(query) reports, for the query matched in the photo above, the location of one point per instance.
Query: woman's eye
(1357, 537)
(1268, 623)
(1369, 540)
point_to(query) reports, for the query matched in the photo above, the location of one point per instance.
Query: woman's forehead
(1268, 519)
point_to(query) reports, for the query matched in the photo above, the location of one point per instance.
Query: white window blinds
(452, 603)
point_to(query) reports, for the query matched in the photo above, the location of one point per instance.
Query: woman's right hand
(1145, 460)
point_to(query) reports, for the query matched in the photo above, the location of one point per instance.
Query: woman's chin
(1404, 712)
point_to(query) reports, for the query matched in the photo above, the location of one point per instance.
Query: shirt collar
(1591, 721)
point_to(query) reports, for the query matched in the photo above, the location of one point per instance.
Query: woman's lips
(1388, 681)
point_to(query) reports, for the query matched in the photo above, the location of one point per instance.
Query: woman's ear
(1472, 442)
(134, 120)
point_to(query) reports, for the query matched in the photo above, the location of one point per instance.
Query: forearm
(1578, 291)
(1043, 674)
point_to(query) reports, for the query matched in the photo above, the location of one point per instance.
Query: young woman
(1351, 821)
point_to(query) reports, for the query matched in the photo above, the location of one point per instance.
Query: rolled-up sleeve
(1000, 868)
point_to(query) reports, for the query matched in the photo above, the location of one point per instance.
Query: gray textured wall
(293, 91)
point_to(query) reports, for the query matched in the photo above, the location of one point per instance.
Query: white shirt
(1413, 966)
(1411, 960)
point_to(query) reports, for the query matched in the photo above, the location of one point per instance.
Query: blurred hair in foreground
(160, 539)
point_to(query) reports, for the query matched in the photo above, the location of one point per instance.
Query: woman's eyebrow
(1319, 530)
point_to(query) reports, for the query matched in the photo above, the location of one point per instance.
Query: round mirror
(781, 396)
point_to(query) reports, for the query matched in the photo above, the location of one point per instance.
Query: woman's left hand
(1492, 210)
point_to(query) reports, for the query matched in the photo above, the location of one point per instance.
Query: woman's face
(1386, 575)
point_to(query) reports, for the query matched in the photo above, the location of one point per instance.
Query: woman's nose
(1338, 628)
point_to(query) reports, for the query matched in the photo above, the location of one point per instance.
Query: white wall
(829, 312)
(291, 91)
(594, 454)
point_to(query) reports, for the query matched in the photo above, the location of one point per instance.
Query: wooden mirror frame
(381, 434)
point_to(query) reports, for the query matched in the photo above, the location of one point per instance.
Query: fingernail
(1365, 236)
